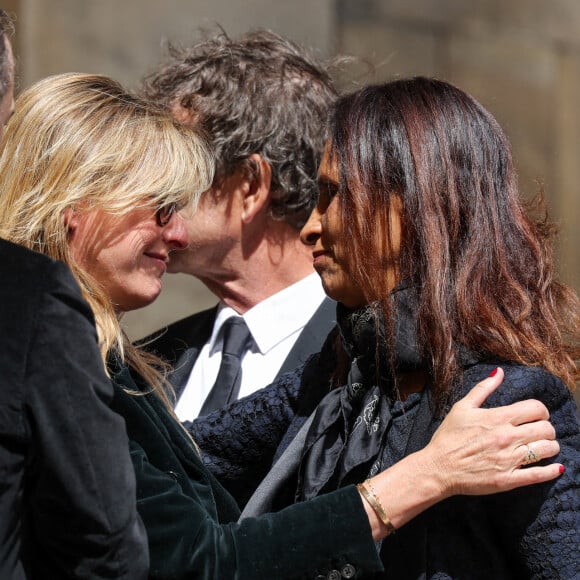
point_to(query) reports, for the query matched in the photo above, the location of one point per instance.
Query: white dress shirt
(275, 325)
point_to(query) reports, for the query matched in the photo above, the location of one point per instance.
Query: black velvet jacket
(191, 519)
(67, 489)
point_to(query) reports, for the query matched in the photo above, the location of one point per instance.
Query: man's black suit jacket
(182, 341)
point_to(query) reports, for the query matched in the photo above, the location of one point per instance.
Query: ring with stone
(530, 457)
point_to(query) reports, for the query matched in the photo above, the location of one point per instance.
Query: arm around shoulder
(303, 541)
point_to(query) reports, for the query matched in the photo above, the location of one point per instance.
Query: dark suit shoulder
(312, 337)
(170, 342)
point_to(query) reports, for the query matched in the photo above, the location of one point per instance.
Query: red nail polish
(493, 373)
(562, 469)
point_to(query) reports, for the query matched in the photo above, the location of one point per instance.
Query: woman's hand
(481, 451)
(474, 452)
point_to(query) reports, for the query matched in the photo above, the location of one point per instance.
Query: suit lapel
(180, 375)
(312, 337)
(187, 346)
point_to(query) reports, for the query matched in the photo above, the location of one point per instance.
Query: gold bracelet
(374, 501)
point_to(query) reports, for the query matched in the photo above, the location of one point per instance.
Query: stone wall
(123, 38)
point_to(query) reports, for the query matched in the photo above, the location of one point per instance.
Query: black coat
(191, 519)
(67, 489)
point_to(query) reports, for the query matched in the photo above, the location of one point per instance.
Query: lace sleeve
(238, 442)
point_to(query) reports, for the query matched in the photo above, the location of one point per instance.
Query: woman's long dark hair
(482, 269)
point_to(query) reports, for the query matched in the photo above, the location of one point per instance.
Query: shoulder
(326, 310)
(25, 270)
(17, 256)
(36, 290)
(322, 321)
(524, 382)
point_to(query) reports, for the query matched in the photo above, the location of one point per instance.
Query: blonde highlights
(81, 141)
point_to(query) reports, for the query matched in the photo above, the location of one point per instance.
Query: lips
(159, 258)
(319, 258)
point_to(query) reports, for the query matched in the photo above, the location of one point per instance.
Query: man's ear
(71, 219)
(257, 192)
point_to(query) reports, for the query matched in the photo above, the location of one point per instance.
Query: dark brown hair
(259, 93)
(481, 268)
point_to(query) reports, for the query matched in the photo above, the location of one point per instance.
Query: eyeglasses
(164, 214)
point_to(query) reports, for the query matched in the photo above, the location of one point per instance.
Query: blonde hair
(80, 140)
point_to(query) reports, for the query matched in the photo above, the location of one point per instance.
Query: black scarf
(347, 433)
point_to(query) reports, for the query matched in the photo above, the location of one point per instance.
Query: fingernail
(494, 372)
(562, 469)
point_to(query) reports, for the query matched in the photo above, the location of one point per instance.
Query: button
(173, 475)
(348, 571)
(320, 577)
(333, 575)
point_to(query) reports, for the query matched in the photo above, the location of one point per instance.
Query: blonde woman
(44, 406)
(93, 176)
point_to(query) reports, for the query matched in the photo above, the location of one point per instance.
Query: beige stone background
(520, 58)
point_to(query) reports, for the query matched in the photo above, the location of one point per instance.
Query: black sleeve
(328, 534)
(81, 485)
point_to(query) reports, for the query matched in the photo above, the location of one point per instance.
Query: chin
(177, 262)
(137, 304)
(173, 267)
(137, 301)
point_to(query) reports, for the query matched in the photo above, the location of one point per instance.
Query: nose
(312, 229)
(175, 233)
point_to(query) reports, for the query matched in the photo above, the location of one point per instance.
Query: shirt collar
(277, 317)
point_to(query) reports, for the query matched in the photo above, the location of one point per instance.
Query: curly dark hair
(6, 65)
(260, 93)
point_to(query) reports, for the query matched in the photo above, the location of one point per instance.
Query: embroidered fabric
(347, 436)
(259, 422)
(530, 532)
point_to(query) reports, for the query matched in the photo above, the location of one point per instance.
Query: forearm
(404, 491)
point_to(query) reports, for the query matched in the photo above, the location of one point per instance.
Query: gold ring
(531, 456)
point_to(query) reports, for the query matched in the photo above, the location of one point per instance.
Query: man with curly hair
(263, 102)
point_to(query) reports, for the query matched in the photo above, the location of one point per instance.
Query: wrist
(431, 475)
(405, 490)
(371, 497)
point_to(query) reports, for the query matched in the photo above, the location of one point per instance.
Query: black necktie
(227, 385)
